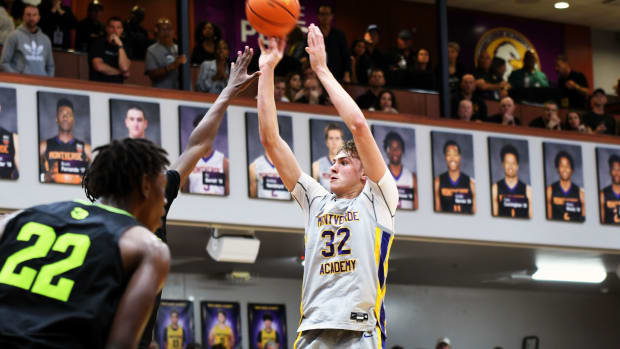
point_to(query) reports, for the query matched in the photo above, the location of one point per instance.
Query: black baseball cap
(405, 34)
(372, 27)
(599, 90)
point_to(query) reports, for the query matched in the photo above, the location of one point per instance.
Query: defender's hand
(271, 56)
(316, 48)
(239, 79)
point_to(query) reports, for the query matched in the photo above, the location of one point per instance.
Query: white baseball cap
(444, 340)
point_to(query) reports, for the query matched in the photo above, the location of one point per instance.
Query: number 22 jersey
(347, 245)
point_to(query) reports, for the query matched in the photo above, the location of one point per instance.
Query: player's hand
(239, 79)
(116, 40)
(316, 49)
(182, 59)
(271, 56)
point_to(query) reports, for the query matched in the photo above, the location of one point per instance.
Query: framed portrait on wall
(454, 186)
(135, 119)
(211, 174)
(64, 137)
(608, 168)
(264, 182)
(530, 342)
(565, 197)
(221, 324)
(398, 146)
(9, 139)
(174, 327)
(326, 139)
(509, 172)
(267, 326)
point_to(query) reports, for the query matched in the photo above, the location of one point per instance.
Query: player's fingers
(261, 45)
(281, 45)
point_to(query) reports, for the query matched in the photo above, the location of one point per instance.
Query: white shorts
(335, 339)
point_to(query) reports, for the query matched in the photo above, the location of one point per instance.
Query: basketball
(272, 17)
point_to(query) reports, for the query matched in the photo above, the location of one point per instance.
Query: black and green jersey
(61, 275)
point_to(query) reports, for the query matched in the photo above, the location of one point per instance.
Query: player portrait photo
(135, 119)
(210, 176)
(608, 166)
(398, 146)
(509, 171)
(9, 141)
(565, 197)
(264, 182)
(267, 325)
(454, 186)
(175, 324)
(326, 137)
(221, 325)
(64, 137)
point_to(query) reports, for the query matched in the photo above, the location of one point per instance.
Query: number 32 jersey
(347, 246)
(61, 275)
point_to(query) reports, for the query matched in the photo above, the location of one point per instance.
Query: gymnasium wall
(606, 58)
(418, 315)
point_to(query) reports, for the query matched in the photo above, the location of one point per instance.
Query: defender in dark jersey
(455, 192)
(510, 196)
(565, 200)
(200, 143)
(64, 159)
(610, 195)
(81, 275)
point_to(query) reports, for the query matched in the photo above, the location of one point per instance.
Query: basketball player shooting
(349, 231)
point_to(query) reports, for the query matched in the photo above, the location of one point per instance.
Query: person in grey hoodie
(27, 50)
(6, 23)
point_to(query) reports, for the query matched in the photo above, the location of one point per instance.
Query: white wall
(606, 59)
(418, 315)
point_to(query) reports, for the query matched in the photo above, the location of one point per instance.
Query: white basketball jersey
(208, 176)
(270, 185)
(406, 191)
(324, 171)
(347, 245)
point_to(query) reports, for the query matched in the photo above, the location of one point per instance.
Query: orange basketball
(272, 17)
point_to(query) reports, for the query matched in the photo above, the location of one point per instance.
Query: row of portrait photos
(220, 325)
(65, 152)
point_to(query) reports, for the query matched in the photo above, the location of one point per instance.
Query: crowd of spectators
(30, 32)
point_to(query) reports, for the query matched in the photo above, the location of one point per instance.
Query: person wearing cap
(336, 46)
(372, 37)
(163, 59)
(401, 58)
(573, 85)
(91, 28)
(596, 119)
(136, 35)
(443, 343)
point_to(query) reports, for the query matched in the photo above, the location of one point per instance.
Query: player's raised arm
(201, 139)
(279, 152)
(369, 152)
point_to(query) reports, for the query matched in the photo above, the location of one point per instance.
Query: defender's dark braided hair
(119, 167)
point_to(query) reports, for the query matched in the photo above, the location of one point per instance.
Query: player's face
(614, 172)
(511, 166)
(155, 202)
(114, 28)
(65, 119)
(221, 318)
(136, 123)
(334, 141)
(395, 152)
(564, 169)
(174, 318)
(267, 324)
(346, 173)
(386, 101)
(453, 158)
(295, 82)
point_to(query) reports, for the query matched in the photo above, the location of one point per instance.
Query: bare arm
(148, 261)
(494, 201)
(16, 146)
(279, 152)
(104, 68)
(602, 203)
(369, 153)
(201, 139)
(528, 193)
(437, 198)
(582, 198)
(548, 198)
(472, 185)
(226, 175)
(88, 150)
(315, 170)
(415, 191)
(123, 61)
(253, 180)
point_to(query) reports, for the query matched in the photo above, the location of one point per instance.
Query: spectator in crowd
(466, 111)
(57, 22)
(163, 59)
(483, 66)
(550, 119)
(574, 122)
(107, 57)
(455, 69)
(467, 91)
(372, 38)
(213, 75)
(444, 343)
(6, 23)
(596, 119)
(313, 92)
(27, 50)
(135, 35)
(279, 90)
(206, 36)
(336, 47)
(386, 103)
(294, 55)
(493, 85)
(422, 76)
(507, 113)
(528, 76)
(376, 84)
(294, 90)
(573, 85)
(401, 59)
(91, 28)
(361, 63)
(15, 8)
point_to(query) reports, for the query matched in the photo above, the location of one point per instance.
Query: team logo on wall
(507, 44)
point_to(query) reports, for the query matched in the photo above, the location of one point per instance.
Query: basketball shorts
(339, 339)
